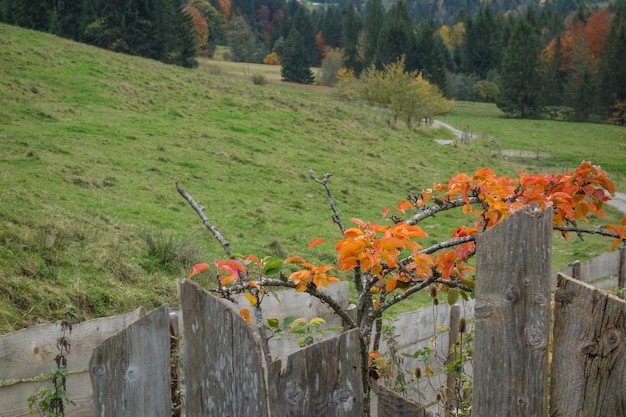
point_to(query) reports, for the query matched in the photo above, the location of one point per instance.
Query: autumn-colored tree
(225, 7)
(388, 260)
(200, 28)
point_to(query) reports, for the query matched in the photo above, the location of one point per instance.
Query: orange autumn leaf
(245, 314)
(315, 242)
(292, 259)
(197, 268)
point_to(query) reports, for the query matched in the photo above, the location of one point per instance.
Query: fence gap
(512, 316)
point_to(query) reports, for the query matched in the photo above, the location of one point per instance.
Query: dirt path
(458, 133)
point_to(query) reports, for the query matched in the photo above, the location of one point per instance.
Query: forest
(560, 60)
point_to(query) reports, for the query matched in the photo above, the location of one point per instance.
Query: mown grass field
(93, 142)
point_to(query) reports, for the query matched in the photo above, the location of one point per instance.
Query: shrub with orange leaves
(272, 59)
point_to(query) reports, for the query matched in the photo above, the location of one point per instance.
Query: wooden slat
(589, 353)
(30, 352)
(13, 398)
(130, 371)
(321, 380)
(391, 404)
(222, 358)
(512, 316)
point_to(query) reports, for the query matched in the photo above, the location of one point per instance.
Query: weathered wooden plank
(323, 379)
(222, 358)
(588, 376)
(512, 316)
(30, 352)
(13, 398)
(130, 371)
(391, 404)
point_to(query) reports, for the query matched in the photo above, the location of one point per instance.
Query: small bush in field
(259, 79)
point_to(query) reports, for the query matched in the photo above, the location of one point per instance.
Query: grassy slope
(92, 143)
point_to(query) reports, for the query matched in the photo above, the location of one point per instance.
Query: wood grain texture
(512, 316)
(13, 398)
(130, 371)
(323, 379)
(391, 404)
(589, 352)
(223, 359)
(31, 351)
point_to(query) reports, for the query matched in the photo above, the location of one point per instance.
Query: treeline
(156, 29)
(559, 59)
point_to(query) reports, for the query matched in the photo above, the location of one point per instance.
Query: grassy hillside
(92, 143)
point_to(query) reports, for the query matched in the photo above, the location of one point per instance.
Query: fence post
(222, 358)
(589, 353)
(451, 380)
(512, 316)
(130, 371)
(621, 275)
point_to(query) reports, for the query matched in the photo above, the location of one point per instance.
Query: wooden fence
(225, 374)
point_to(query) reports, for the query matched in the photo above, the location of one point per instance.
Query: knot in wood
(342, 397)
(132, 374)
(294, 393)
(98, 370)
(611, 339)
(511, 294)
(563, 297)
(590, 349)
(535, 337)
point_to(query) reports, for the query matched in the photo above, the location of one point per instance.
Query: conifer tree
(519, 80)
(295, 61)
(374, 18)
(396, 38)
(351, 30)
(613, 68)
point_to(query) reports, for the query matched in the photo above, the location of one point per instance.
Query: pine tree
(351, 29)
(374, 18)
(612, 67)
(519, 80)
(482, 48)
(330, 25)
(303, 23)
(295, 61)
(396, 38)
(431, 53)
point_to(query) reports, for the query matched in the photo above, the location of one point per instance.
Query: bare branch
(443, 206)
(399, 297)
(449, 243)
(579, 231)
(324, 182)
(205, 220)
(273, 282)
(453, 284)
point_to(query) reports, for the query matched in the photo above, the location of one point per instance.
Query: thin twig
(205, 220)
(579, 231)
(336, 213)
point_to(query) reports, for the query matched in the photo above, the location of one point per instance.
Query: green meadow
(93, 142)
